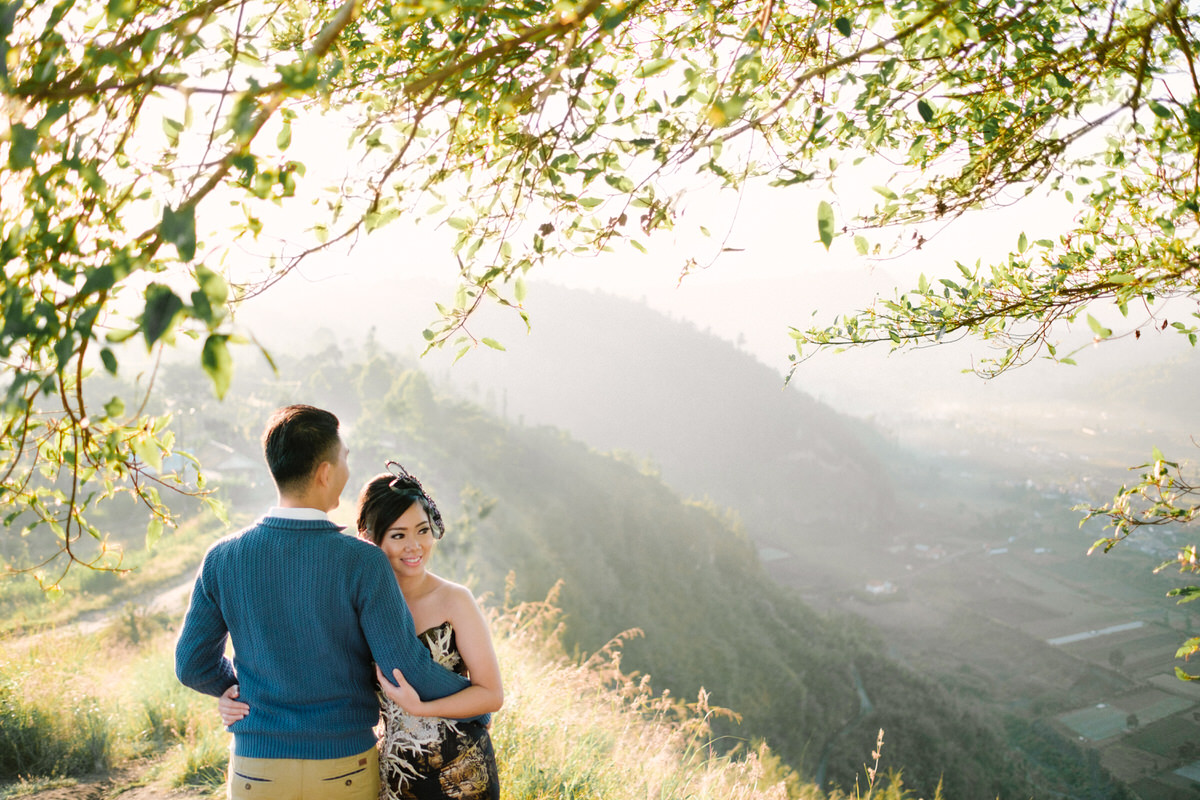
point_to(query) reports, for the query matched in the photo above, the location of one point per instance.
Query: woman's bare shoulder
(456, 599)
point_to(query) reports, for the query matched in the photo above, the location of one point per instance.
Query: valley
(986, 584)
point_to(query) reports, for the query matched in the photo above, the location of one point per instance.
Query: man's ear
(321, 476)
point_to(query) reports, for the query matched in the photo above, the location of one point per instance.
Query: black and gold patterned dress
(429, 758)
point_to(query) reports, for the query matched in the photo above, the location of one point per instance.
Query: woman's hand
(401, 693)
(230, 709)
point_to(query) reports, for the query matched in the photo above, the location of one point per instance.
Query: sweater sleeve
(200, 661)
(390, 633)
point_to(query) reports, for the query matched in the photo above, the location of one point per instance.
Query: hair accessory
(404, 481)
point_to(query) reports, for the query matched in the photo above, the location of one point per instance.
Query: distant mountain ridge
(716, 421)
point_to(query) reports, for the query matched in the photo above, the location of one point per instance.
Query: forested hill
(717, 422)
(537, 506)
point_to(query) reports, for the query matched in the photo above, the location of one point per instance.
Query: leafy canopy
(147, 152)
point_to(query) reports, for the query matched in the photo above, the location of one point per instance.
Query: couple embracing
(319, 619)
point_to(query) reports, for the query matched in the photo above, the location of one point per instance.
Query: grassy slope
(634, 554)
(567, 730)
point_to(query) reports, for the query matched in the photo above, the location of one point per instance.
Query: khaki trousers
(350, 778)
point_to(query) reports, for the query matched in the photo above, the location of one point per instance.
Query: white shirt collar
(298, 513)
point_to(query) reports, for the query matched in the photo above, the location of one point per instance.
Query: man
(308, 610)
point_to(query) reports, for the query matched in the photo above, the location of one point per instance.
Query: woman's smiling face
(408, 542)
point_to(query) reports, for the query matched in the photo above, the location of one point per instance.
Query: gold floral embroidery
(412, 749)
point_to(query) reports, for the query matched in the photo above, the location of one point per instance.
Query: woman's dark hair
(296, 440)
(384, 500)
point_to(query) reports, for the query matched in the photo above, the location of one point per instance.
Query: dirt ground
(126, 784)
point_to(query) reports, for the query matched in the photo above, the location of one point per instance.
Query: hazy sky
(778, 277)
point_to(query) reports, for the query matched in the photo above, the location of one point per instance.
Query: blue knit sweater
(308, 608)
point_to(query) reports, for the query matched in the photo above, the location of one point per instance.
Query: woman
(426, 752)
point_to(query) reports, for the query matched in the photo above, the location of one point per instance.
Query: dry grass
(74, 703)
(572, 730)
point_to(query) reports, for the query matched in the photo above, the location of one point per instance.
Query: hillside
(715, 421)
(632, 553)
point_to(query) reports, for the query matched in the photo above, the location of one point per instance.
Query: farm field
(1031, 624)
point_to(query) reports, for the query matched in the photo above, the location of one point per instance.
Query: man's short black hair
(295, 442)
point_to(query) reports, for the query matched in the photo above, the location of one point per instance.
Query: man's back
(307, 608)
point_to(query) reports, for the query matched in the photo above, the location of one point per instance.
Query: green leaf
(653, 67)
(172, 129)
(843, 26)
(284, 139)
(109, 360)
(299, 76)
(621, 183)
(861, 245)
(825, 223)
(154, 532)
(1022, 243)
(217, 362)
(519, 289)
(23, 143)
(212, 284)
(118, 336)
(179, 228)
(202, 308)
(1159, 109)
(100, 279)
(1186, 594)
(85, 321)
(925, 110)
(1098, 329)
(162, 307)
(492, 343)
(148, 452)
(114, 407)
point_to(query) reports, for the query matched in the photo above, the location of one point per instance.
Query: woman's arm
(485, 694)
